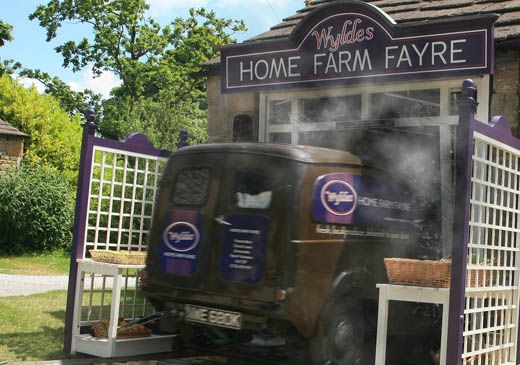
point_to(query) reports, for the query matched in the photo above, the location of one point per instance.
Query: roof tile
(7, 129)
(404, 11)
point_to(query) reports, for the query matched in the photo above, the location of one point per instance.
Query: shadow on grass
(44, 345)
(58, 314)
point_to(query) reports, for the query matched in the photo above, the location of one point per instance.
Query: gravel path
(11, 285)
(26, 284)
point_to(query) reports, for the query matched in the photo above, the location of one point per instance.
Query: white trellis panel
(491, 299)
(121, 198)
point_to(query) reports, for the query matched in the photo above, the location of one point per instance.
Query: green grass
(31, 327)
(54, 263)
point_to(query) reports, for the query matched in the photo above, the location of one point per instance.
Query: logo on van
(338, 197)
(181, 236)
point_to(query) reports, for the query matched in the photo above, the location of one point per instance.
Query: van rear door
(223, 233)
(247, 227)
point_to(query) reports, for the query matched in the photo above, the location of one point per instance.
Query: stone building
(252, 113)
(11, 146)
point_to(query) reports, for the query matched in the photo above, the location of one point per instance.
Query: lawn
(31, 327)
(55, 263)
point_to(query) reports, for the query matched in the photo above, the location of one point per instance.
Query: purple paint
(134, 143)
(334, 198)
(244, 246)
(498, 130)
(355, 42)
(183, 241)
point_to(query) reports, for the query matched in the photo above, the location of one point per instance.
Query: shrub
(54, 137)
(36, 210)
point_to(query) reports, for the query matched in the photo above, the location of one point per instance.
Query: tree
(73, 102)
(54, 137)
(159, 66)
(7, 66)
(156, 119)
(145, 56)
(5, 33)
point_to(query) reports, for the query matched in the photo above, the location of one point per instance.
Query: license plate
(214, 317)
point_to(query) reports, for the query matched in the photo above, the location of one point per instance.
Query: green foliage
(158, 120)
(5, 33)
(36, 210)
(7, 66)
(55, 138)
(145, 56)
(159, 66)
(73, 102)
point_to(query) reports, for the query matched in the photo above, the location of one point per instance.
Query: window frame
(233, 201)
(206, 193)
(446, 86)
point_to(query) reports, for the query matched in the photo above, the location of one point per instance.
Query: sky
(30, 48)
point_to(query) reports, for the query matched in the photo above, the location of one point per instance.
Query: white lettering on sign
(276, 68)
(342, 61)
(439, 53)
(382, 203)
(455, 51)
(181, 236)
(340, 197)
(355, 231)
(339, 62)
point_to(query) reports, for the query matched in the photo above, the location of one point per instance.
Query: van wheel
(341, 334)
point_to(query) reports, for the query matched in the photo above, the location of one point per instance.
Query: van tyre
(341, 335)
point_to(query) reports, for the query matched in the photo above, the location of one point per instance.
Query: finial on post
(183, 139)
(90, 117)
(467, 103)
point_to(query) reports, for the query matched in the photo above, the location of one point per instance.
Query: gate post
(467, 109)
(85, 161)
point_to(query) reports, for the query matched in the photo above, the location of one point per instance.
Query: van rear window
(191, 187)
(253, 189)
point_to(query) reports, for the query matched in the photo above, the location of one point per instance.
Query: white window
(294, 117)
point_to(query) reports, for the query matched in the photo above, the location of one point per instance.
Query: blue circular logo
(338, 197)
(181, 236)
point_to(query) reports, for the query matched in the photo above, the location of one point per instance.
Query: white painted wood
(492, 273)
(407, 293)
(76, 317)
(123, 282)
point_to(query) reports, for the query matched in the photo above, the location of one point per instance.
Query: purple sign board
(356, 42)
(244, 249)
(179, 253)
(350, 199)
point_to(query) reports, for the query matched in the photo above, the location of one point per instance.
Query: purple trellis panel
(136, 143)
(498, 130)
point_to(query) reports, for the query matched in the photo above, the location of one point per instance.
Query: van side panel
(316, 258)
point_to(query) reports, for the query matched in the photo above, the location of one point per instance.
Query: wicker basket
(435, 274)
(119, 257)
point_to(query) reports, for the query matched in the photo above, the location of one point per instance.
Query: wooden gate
(485, 281)
(117, 186)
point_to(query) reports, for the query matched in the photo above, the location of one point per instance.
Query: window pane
(405, 104)
(191, 187)
(333, 109)
(253, 190)
(455, 95)
(280, 138)
(280, 112)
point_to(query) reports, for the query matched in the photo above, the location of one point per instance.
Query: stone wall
(223, 108)
(11, 152)
(505, 93)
